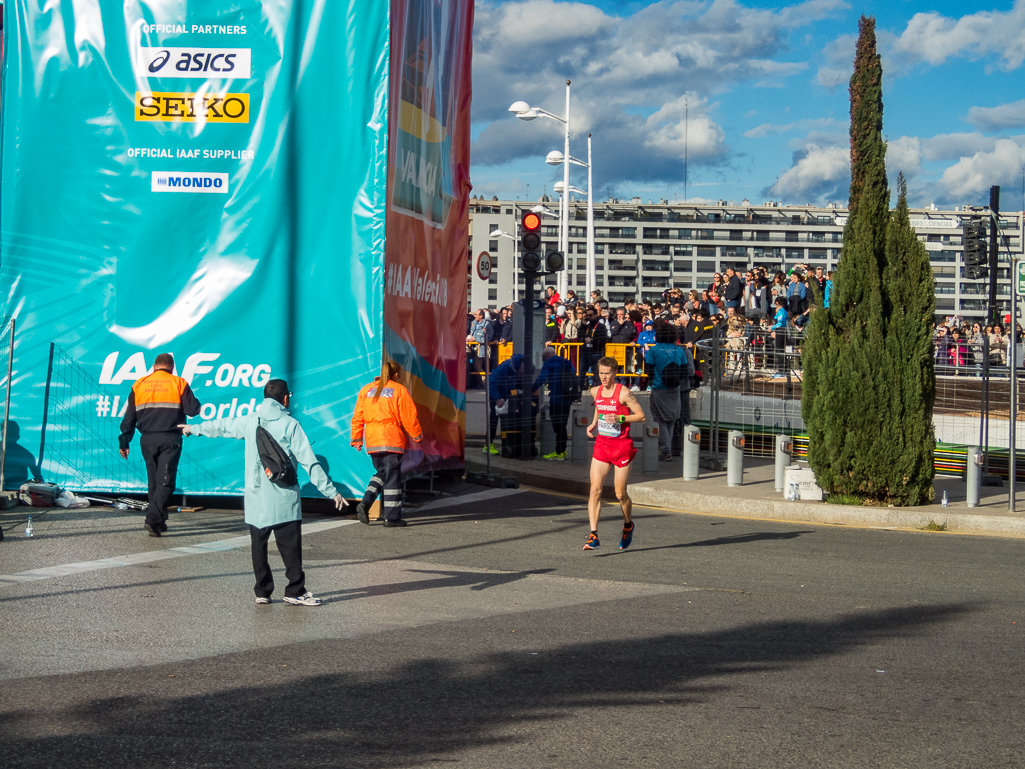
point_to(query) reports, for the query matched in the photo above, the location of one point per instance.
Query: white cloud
(904, 155)
(831, 78)
(818, 174)
(932, 38)
(765, 129)
(955, 146)
(623, 67)
(998, 118)
(969, 179)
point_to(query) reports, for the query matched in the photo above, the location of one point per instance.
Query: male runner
(614, 407)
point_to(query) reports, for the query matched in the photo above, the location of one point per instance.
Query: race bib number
(609, 428)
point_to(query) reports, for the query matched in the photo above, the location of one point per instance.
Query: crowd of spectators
(962, 346)
(752, 307)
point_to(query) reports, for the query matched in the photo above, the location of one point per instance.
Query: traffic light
(554, 261)
(975, 256)
(530, 242)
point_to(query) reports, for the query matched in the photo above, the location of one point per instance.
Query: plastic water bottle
(28, 527)
(944, 503)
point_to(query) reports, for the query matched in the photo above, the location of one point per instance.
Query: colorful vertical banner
(202, 178)
(428, 193)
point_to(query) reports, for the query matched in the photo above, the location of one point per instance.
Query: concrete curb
(818, 512)
(647, 494)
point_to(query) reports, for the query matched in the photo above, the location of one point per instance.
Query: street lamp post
(525, 112)
(555, 158)
(515, 277)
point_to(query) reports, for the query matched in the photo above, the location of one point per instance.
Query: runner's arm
(594, 419)
(627, 399)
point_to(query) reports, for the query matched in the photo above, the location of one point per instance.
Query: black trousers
(289, 538)
(387, 482)
(560, 418)
(161, 452)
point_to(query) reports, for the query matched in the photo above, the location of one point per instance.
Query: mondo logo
(188, 181)
(193, 62)
(192, 107)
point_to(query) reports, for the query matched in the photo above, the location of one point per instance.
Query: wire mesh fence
(80, 429)
(755, 386)
(7, 326)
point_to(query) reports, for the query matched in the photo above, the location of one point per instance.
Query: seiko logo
(192, 107)
(194, 62)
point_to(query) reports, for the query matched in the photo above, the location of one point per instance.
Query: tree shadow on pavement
(425, 710)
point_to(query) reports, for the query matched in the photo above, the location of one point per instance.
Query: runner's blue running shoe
(592, 542)
(628, 536)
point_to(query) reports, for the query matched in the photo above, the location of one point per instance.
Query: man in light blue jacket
(269, 507)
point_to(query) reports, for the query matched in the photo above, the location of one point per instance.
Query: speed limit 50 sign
(484, 265)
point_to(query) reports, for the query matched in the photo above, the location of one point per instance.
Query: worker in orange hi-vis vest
(385, 414)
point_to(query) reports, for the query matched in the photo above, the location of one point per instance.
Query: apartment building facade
(641, 249)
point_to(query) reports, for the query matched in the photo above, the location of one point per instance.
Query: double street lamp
(555, 158)
(525, 112)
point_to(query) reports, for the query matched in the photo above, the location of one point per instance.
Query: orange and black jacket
(158, 404)
(382, 425)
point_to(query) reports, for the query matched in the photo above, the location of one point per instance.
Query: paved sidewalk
(757, 498)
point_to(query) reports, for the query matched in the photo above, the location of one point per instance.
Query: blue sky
(762, 89)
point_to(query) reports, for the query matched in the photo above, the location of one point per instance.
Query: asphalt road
(483, 636)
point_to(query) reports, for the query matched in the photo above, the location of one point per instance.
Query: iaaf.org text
(225, 375)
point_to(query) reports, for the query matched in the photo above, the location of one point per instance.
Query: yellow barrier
(626, 355)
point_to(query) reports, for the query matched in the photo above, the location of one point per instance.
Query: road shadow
(422, 711)
(735, 539)
(467, 579)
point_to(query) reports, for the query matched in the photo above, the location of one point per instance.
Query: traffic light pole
(994, 242)
(526, 373)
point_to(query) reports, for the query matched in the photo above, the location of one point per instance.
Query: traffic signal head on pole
(975, 256)
(530, 242)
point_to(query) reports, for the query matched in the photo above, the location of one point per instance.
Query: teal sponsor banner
(201, 178)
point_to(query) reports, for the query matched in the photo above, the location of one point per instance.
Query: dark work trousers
(676, 441)
(289, 538)
(387, 482)
(560, 417)
(161, 452)
(779, 345)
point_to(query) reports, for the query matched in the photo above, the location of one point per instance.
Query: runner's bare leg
(622, 478)
(598, 472)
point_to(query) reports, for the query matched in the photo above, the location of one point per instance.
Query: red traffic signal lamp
(530, 242)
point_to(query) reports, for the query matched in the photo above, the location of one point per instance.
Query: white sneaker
(261, 601)
(635, 389)
(306, 599)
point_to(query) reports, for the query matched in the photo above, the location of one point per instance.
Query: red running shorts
(616, 452)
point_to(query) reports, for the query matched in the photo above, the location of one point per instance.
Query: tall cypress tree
(847, 371)
(909, 435)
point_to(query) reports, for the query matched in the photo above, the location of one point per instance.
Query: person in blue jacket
(778, 332)
(563, 390)
(504, 379)
(666, 404)
(645, 340)
(269, 507)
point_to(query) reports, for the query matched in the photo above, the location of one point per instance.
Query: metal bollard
(546, 432)
(649, 447)
(973, 475)
(735, 459)
(784, 456)
(691, 452)
(579, 445)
